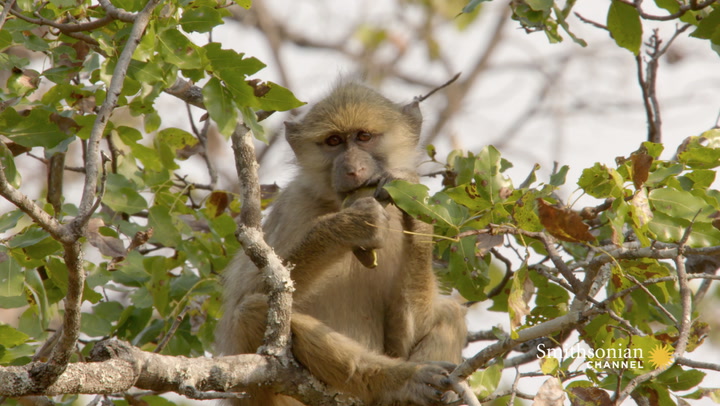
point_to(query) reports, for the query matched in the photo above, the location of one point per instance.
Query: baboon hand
(367, 220)
(428, 386)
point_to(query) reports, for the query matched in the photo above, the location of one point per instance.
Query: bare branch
(683, 8)
(6, 9)
(117, 13)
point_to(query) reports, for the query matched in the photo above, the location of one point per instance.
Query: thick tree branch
(119, 366)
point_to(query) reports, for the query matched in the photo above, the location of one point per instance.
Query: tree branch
(250, 235)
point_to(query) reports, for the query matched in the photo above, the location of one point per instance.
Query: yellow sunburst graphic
(661, 356)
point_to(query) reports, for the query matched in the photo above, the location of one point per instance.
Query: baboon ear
(292, 129)
(414, 116)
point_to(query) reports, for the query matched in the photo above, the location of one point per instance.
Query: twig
(591, 22)
(655, 300)
(683, 8)
(444, 85)
(171, 332)
(67, 29)
(6, 9)
(508, 274)
(465, 392)
(457, 96)
(103, 116)
(117, 13)
(685, 321)
(648, 81)
(697, 364)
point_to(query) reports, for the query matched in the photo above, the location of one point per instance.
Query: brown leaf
(589, 397)
(716, 219)
(219, 200)
(486, 242)
(140, 238)
(260, 89)
(65, 124)
(563, 224)
(641, 168)
(108, 246)
(16, 149)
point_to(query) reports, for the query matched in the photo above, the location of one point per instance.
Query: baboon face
(355, 137)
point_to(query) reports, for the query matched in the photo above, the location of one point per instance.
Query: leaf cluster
(563, 255)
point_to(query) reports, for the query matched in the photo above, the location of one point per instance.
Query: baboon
(384, 335)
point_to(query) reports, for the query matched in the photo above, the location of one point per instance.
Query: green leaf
(145, 72)
(146, 155)
(246, 4)
(178, 50)
(10, 337)
(472, 5)
(201, 19)
(601, 182)
(678, 379)
(220, 106)
(122, 196)
(413, 198)
(165, 230)
(32, 130)
(549, 365)
(485, 382)
(95, 325)
(558, 178)
(11, 278)
(159, 286)
(278, 99)
(669, 229)
(540, 5)
(8, 166)
(679, 204)
(699, 156)
(468, 273)
(169, 141)
(709, 27)
(229, 61)
(623, 22)
(6, 40)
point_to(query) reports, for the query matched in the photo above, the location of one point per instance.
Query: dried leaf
(563, 224)
(108, 246)
(219, 200)
(589, 396)
(140, 238)
(486, 242)
(640, 168)
(551, 393)
(643, 214)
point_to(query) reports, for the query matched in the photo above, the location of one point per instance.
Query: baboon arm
(332, 236)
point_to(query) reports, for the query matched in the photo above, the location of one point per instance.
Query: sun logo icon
(661, 356)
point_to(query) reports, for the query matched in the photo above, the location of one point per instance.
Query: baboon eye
(333, 140)
(364, 136)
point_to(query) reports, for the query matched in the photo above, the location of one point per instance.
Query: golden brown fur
(367, 332)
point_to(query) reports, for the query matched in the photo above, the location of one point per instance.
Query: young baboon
(372, 333)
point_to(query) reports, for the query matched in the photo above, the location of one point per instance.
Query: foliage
(624, 19)
(154, 249)
(645, 202)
